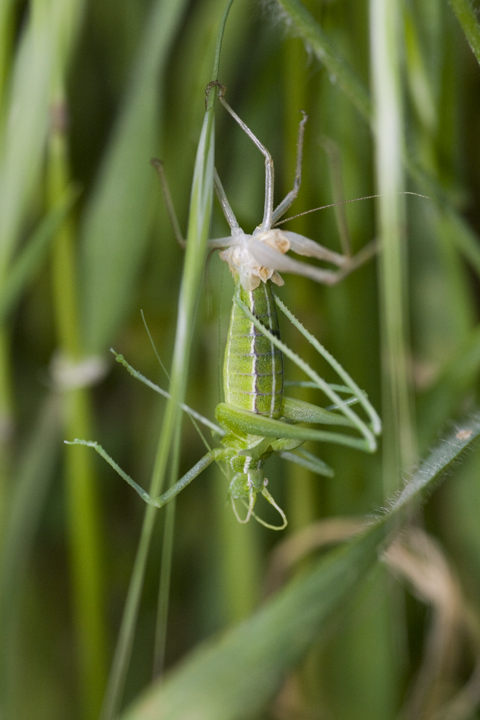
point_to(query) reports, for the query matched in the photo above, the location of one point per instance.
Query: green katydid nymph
(257, 419)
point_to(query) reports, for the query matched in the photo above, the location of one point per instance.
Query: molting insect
(257, 419)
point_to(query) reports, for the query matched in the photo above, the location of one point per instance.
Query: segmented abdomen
(253, 368)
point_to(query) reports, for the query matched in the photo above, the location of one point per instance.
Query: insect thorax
(253, 369)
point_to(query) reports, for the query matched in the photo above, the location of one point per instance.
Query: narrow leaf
(235, 675)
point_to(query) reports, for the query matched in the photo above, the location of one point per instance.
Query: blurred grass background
(89, 93)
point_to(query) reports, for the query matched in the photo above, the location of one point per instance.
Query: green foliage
(213, 683)
(89, 92)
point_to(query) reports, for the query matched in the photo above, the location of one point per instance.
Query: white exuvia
(261, 256)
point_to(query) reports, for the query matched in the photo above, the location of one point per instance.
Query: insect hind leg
(172, 215)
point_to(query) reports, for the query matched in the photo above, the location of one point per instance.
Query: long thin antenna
(344, 202)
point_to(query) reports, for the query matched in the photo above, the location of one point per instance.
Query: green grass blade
(21, 151)
(6, 40)
(399, 445)
(445, 397)
(24, 513)
(313, 36)
(24, 267)
(26, 104)
(234, 677)
(466, 17)
(213, 684)
(302, 21)
(197, 236)
(317, 60)
(115, 229)
(43, 47)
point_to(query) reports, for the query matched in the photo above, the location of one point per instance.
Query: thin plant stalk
(399, 445)
(469, 21)
(85, 537)
(171, 422)
(313, 35)
(198, 231)
(5, 420)
(250, 660)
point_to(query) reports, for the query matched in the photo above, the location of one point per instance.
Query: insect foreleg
(225, 205)
(292, 195)
(347, 263)
(200, 466)
(269, 257)
(156, 388)
(181, 484)
(269, 177)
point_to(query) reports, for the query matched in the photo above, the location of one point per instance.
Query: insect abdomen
(253, 369)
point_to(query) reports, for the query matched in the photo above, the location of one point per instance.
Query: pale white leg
(269, 175)
(287, 201)
(225, 205)
(158, 165)
(271, 258)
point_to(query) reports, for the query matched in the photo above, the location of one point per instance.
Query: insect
(256, 419)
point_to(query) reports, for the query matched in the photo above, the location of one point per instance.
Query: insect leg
(226, 207)
(287, 201)
(199, 467)
(272, 502)
(250, 506)
(269, 174)
(181, 484)
(307, 460)
(158, 165)
(269, 257)
(345, 377)
(252, 424)
(320, 383)
(250, 513)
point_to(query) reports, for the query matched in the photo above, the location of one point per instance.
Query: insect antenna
(344, 202)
